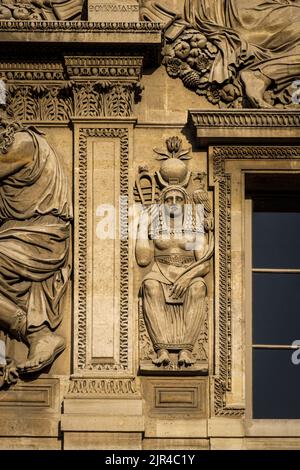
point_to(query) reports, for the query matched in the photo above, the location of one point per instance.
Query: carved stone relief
(49, 10)
(175, 238)
(82, 87)
(34, 237)
(235, 54)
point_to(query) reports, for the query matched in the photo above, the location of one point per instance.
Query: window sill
(272, 427)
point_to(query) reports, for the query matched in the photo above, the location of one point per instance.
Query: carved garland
(84, 134)
(222, 383)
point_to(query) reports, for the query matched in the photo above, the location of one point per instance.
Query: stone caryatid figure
(173, 238)
(34, 242)
(260, 37)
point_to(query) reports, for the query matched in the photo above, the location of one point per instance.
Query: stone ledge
(91, 422)
(176, 428)
(239, 125)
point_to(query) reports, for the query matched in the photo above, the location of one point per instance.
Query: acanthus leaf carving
(97, 86)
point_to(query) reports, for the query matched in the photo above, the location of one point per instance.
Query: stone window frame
(232, 377)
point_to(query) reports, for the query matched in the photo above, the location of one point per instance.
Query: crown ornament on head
(173, 169)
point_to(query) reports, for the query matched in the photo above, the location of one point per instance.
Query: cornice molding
(213, 126)
(80, 26)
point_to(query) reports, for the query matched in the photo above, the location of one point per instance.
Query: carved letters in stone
(174, 237)
(34, 246)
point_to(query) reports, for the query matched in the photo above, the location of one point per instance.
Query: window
(273, 213)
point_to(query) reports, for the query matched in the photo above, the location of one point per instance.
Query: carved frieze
(107, 387)
(80, 27)
(82, 87)
(104, 86)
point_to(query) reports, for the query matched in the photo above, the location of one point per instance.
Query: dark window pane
(276, 382)
(276, 239)
(276, 308)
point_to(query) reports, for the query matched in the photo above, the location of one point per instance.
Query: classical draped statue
(173, 240)
(34, 242)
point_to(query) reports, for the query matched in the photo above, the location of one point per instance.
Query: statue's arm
(201, 248)
(199, 269)
(143, 248)
(20, 154)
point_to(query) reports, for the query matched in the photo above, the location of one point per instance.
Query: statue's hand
(180, 286)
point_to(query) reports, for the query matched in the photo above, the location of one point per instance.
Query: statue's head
(174, 198)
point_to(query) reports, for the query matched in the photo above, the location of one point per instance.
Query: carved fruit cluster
(190, 58)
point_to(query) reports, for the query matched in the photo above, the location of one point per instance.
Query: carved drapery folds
(175, 238)
(238, 56)
(82, 87)
(34, 239)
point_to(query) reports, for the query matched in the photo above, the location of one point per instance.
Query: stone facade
(119, 89)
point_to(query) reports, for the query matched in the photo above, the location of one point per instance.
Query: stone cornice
(245, 124)
(80, 31)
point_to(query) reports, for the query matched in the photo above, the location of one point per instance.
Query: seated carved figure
(172, 237)
(34, 242)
